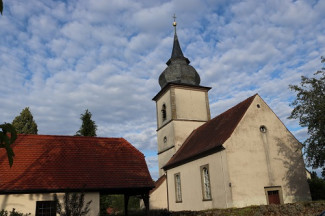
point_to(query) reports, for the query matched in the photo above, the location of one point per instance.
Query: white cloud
(60, 58)
(152, 162)
(301, 134)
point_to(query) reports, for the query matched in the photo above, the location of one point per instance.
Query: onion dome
(178, 69)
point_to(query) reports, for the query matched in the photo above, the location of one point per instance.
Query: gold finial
(174, 23)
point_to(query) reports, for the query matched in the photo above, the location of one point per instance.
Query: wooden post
(145, 198)
(126, 203)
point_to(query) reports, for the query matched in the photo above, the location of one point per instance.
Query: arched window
(178, 190)
(206, 188)
(163, 112)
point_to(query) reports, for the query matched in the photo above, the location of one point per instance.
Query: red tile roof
(211, 135)
(54, 163)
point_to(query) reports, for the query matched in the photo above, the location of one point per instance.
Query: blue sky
(62, 57)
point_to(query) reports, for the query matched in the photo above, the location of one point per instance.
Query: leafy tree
(73, 205)
(105, 202)
(7, 137)
(1, 6)
(317, 187)
(309, 108)
(24, 123)
(88, 127)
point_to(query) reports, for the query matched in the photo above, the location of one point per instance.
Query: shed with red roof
(46, 164)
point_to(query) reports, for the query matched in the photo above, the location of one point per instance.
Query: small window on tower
(163, 112)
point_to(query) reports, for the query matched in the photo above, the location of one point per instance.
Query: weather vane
(174, 23)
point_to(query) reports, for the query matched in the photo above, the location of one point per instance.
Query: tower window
(163, 112)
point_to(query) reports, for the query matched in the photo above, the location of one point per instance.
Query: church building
(244, 156)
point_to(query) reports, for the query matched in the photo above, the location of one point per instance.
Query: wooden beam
(126, 203)
(145, 198)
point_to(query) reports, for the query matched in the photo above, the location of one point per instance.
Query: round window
(263, 129)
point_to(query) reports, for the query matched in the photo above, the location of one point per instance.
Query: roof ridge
(133, 146)
(67, 136)
(247, 99)
(220, 115)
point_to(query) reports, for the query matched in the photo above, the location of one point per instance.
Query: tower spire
(177, 51)
(178, 69)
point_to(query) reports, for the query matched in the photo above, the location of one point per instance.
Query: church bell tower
(182, 104)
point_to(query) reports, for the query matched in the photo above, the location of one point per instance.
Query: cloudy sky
(62, 57)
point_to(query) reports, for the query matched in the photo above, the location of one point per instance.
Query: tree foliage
(88, 126)
(1, 7)
(8, 136)
(73, 205)
(116, 203)
(309, 108)
(24, 123)
(317, 187)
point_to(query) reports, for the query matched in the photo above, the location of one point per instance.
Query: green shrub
(12, 213)
(73, 204)
(116, 203)
(317, 187)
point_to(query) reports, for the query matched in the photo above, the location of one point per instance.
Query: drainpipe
(167, 191)
(224, 182)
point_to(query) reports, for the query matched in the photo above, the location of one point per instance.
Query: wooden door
(274, 197)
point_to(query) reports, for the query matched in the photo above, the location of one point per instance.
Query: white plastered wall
(26, 203)
(163, 158)
(176, 133)
(191, 184)
(168, 132)
(191, 104)
(158, 198)
(182, 129)
(257, 160)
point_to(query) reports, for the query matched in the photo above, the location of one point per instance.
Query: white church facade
(244, 156)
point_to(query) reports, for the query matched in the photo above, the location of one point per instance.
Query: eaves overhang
(214, 150)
